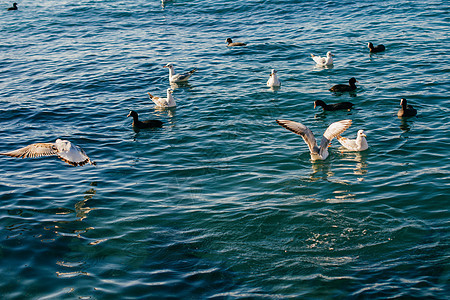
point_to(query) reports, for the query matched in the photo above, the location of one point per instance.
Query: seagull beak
(315, 105)
(129, 114)
(364, 135)
(165, 66)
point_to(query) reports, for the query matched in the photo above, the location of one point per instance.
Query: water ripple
(222, 202)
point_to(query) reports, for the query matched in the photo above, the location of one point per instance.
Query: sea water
(222, 202)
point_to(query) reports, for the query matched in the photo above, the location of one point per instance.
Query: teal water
(222, 202)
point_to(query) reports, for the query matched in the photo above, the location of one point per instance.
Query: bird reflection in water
(161, 111)
(319, 67)
(404, 126)
(361, 164)
(71, 228)
(320, 170)
(274, 88)
(163, 3)
(182, 84)
(81, 210)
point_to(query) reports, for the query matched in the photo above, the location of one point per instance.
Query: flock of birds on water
(75, 156)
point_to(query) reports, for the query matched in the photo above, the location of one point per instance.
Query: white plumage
(359, 144)
(173, 78)
(321, 152)
(164, 102)
(323, 61)
(273, 80)
(65, 150)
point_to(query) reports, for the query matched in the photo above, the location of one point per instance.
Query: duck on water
(333, 107)
(137, 124)
(340, 88)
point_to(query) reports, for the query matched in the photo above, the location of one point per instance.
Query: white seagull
(323, 61)
(164, 102)
(360, 144)
(317, 153)
(273, 80)
(173, 78)
(65, 150)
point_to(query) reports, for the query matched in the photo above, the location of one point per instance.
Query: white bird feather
(273, 80)
(358, 144)
(164, 102)
(323, 61)
(317, 152)
(65, 150)
(173, 78)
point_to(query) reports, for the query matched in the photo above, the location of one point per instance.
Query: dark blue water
(222, 202)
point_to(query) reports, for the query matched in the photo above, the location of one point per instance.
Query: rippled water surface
(222, 202)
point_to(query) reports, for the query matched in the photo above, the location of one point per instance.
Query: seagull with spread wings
(317, 152)
(65, 150)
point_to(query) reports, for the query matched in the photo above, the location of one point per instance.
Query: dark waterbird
(379, 48)
(340, 88)
(406, 110)
(143, 124)
(14, 7)
(234, 44)
(332, 107)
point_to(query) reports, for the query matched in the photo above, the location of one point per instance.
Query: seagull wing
(318, 59)
(270, 80)
(347, 143)
(157, 100)
(71, 153)
(332, 131)
(34, 150)
(184, 76)
(303, 131)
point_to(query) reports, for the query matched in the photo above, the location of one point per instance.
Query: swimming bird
(406, 110)
(359, 144)
(231, 44)
(273, 80)
(379, 48)
(164, 102)
(178, 77)
(323, 61)
(332, 107)
(14, 7)
(65, 150)
(321, 152)
(340, 88)
(143, 124)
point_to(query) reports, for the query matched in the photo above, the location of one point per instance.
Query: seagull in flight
(65, 150)
(317, 152)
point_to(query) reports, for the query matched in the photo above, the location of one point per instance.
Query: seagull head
(274, 71)
(329, 53)
(361, 133)
(169, 90)
(169, 65)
